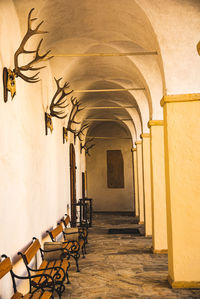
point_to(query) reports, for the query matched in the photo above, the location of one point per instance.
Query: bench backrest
(5, 267)
(56, 231)
(66, 221)
(32, 250)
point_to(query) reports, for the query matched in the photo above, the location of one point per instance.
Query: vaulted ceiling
(96, 46)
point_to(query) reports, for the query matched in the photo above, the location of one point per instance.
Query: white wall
(34, 168)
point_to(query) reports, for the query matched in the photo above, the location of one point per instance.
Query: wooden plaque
(115, 169)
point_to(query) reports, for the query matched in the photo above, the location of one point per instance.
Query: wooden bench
(73, 247)
(6, 266)
(53, 272)
(83, 229)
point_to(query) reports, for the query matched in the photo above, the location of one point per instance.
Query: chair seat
(51, 264)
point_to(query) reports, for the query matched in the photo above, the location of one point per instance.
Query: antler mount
(87, 147)
(10, 75)
(74, 111)
(58, 103)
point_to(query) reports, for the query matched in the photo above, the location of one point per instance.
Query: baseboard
(183, 284)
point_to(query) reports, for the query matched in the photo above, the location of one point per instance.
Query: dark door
(83, 184)
(73, 185)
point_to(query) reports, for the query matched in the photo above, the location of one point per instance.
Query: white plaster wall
(34, 168)
(104, 198)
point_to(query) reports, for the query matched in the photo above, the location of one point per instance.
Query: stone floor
(121, 266)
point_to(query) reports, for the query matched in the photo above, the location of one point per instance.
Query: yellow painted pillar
(147, 184)
(135, 181)
(182, 164)
(140, 181)
(158, 190)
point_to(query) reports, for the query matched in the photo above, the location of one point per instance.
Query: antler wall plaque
(57, 105)
(74, 111)
(10, 75)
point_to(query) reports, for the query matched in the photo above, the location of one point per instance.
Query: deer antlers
(86, 147)
(60, 102)
(57, 103)
(75, 109)
(10, 75)
(21, 50)
(80, 132)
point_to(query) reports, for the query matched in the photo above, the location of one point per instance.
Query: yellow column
(158, 191)
(140, 181)
(182, 160)
(135, 181)
(147, 184)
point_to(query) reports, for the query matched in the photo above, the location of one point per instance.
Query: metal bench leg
(83, 251)
(68, 281)
(76, 257)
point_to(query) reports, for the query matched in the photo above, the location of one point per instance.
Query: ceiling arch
(109, 27)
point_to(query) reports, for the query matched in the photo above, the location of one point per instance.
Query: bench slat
(17, 295)
(66, 221)
(5, 267)
(56, 231)
(50, 272)
(32, 250)
(59, 263)
(36, 295)
(42, 266)
(27, 296)
(64, 264)
(46, 295)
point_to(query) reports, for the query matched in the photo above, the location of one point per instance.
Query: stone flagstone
(121, 266)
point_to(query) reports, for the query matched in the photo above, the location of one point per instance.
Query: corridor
(121, 266)
(101, 100)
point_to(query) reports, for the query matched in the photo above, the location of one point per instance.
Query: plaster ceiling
(100, 26)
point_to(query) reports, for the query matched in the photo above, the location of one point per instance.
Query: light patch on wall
(115, 169)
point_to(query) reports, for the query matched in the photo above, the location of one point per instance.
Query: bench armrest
(56, 276)
(48, 281)
(71, 246)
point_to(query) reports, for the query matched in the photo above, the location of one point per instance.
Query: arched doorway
(73, 184)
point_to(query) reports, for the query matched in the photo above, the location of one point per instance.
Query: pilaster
(182, 160)
(135, 181)
(158, 192)
(140, 181)
(147, 183)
